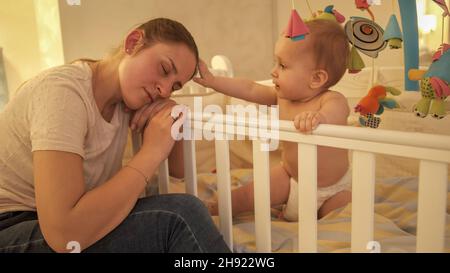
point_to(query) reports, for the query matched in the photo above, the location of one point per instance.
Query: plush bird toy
(434, 84)
(374, 103)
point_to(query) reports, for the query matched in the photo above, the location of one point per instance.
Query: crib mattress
(395, 219)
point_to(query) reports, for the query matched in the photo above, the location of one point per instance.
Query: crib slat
(431, 211)
(307, 197)
(163, 177)
(224, 190)
(190, 168)
(261, 178)
(363, 195)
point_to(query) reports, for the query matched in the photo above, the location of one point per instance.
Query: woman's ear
(318, 79)
(134, 41)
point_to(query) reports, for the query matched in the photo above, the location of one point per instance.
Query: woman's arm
(68, 213)
(240, 88)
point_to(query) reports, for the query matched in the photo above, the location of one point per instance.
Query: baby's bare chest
(288, 110)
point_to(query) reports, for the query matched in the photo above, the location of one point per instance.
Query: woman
(62, 141)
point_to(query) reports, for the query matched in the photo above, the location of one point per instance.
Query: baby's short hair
(330, 47)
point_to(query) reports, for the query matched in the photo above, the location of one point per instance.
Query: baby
(303, 73)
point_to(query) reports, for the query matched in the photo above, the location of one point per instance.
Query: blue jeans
(177, 223)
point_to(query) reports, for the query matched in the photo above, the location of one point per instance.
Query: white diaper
(290, 210)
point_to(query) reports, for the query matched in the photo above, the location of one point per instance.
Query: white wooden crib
(433, 151)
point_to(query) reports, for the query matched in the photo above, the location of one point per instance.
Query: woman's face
(154, 73)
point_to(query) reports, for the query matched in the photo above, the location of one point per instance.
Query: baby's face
(294, 65)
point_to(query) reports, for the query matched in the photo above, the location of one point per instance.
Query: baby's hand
(307, 121)
(206, 77)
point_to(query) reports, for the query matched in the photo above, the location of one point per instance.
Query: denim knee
(165, 223)
(182, 204)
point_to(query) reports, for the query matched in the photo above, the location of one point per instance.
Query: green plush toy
(434, 85)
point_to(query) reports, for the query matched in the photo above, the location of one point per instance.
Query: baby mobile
(369, 38)
(297, 29)
(434, 82)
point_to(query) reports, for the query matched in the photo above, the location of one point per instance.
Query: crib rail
(433, 151)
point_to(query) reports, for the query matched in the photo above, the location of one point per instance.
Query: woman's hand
(157, 137)
(142, 116)
(206, 77)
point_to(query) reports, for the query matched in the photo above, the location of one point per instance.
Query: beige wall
(434, 39)
(32, 38)
(243, 30)
(239, 29)
(19, 40)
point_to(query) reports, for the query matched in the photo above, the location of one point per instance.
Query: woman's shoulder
(70, 72)
(70, 77)
(57, 84)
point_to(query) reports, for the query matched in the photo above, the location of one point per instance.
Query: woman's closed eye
(165, 70)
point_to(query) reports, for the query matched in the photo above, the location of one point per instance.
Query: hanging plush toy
(329, 13)
(393, 34)
(374, 103)
(434, 85)
(296, 28)
(366, 36)
(364, 5)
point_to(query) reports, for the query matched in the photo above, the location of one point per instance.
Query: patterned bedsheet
(394, 224)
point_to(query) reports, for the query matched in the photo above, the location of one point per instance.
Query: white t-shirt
(56, 110)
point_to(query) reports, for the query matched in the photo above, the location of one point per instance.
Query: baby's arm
(240, 88)
(333, 110)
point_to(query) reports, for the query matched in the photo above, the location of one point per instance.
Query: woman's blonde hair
(163, 30)
(158, 30)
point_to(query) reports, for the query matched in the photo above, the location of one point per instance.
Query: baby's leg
(338, 200)
(243, 197)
